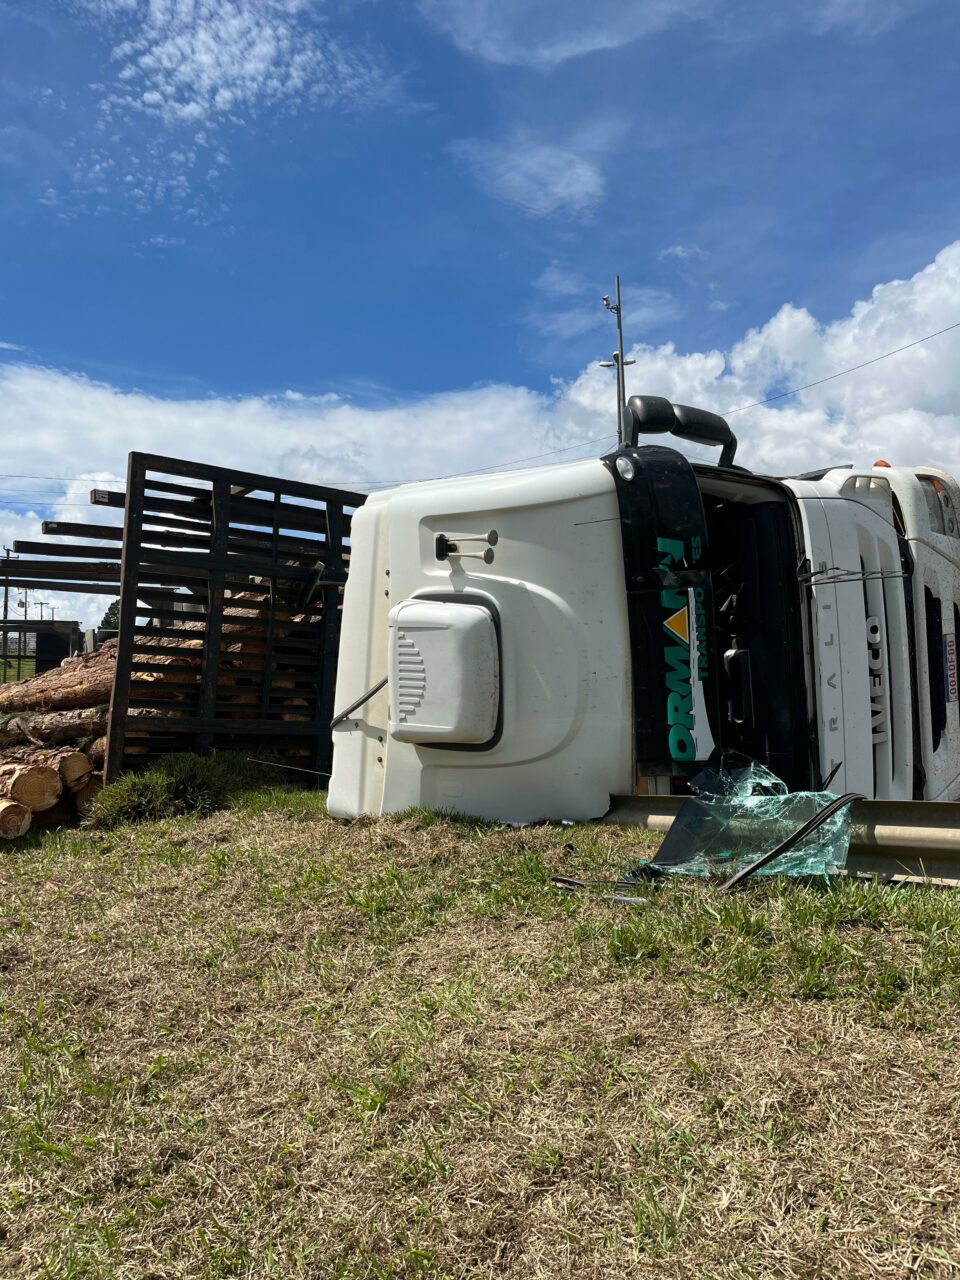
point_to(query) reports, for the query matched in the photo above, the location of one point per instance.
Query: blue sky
(331, 235)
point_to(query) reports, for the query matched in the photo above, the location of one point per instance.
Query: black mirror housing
(653, 415)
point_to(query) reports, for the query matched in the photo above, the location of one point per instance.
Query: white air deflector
(444, 673)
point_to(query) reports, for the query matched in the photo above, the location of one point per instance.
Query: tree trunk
(97, 751)
(85, 797)
(59, 815)
(15, 820)
(51, 728)
(36, 786)
(87, 685)
(73, 766)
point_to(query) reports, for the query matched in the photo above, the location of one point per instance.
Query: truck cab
(527, 645)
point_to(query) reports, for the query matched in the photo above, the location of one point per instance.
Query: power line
(492, 466)
(498, 466)
(533, 457)
(15, 475)
(853, 369)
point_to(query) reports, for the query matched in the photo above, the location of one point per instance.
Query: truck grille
(888, 657)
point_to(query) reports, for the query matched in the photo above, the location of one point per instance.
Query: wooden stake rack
(230, 587)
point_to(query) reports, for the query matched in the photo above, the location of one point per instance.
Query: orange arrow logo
(678, 624)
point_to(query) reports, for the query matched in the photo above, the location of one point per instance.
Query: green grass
(179, 784)
(259, 1042)
(27, 669)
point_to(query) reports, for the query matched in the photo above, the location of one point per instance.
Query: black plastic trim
(662, 499)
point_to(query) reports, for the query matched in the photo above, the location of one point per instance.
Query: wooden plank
(322, 754)
(69, 550)
(271, 619)
(196, 536)
(80, 587)
(178, 679)
(211, 651)
(165, 650)
(248, 479)
(198, 565)
(256, 658)
(197, 525)
(156, 668)
(107, 498)
(120, 700)
(253, 511)
(70, 529)
(105, 572)
(170, 633)
(201, 491)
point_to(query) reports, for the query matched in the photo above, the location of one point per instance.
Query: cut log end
(74, 768)
(15, 820)
(36, 786)
(85, 797)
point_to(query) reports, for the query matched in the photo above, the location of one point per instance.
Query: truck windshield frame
(715, 614)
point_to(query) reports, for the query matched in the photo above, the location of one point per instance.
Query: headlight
(943, 516)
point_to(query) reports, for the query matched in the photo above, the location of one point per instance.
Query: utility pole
(618, 363)
(23, 604)
(41, 610)
(4, 643)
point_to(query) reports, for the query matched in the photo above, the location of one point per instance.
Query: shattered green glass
(740, 811)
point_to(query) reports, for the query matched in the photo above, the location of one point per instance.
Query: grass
(258, 1042)
(27, 669)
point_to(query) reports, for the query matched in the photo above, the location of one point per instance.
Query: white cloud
(863, 17)
(906, 408)
(570, 307)
(682, 252)
(162, 241)
(558, 281)
(23, 508)
(194, 62)
(544, 33)
(540, 177)
(187, 76)
(11, 346)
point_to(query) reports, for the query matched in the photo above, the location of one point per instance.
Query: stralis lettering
(878, 684)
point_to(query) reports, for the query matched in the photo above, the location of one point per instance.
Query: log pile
(53, 726)
(53, 743)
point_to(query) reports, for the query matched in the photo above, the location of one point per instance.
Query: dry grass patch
(263, 1043)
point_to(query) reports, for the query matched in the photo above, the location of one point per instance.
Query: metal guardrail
(917, 839)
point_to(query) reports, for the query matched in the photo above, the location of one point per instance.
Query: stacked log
(86, 682)
(35, 786)
(53, 726)
(15, 820)
(53, 740)
(53, 743)
(85, 797)
(73, 767)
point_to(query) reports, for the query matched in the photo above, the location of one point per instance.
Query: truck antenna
(618, 363)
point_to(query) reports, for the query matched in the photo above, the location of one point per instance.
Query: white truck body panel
(556, 582)
(564, 672)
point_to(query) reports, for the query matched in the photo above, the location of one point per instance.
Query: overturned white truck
(529, 644)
